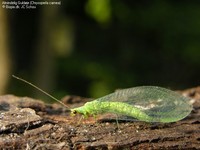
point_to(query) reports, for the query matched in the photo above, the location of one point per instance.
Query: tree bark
(26, 123)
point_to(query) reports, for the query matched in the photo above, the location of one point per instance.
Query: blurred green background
(92, 47)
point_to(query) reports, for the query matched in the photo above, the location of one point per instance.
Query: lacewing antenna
(34, 86)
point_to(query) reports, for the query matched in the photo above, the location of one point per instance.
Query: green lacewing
(145, 103)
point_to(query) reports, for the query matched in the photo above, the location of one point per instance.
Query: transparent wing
(157, 102)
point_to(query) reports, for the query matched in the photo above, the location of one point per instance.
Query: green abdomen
(119, 108)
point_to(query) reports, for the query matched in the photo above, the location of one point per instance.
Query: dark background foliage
(92, 47)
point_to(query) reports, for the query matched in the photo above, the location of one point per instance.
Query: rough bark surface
(26, 123)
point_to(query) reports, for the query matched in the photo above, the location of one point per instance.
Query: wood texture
(26, 123)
